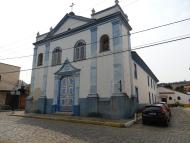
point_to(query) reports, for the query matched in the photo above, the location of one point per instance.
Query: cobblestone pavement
(28, 130)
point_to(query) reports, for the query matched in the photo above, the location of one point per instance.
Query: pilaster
(33, 71)
(93, 66)
(118, 76)
(46, 62)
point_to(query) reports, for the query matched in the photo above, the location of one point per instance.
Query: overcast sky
(22, 19)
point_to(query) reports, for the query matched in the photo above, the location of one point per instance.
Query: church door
(67, 93)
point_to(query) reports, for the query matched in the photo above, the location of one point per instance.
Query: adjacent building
(9, 77)
(173, 97)
(85, 65)
(187, 88)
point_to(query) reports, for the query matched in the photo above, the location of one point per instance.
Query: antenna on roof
(72, 5)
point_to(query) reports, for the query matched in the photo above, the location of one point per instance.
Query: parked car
(156, 113)
(167, 107)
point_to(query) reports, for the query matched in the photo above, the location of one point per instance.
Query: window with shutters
(80, 50)
(56, 56)
(40, 60)
(104, 43)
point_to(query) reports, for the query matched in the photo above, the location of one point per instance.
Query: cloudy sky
(22, 19)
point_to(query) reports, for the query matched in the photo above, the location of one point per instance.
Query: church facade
(85, 66)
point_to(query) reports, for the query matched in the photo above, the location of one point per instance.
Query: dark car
(167, 107)
(156, 113)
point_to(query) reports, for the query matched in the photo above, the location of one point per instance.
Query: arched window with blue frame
(80, 50)
(56, 56)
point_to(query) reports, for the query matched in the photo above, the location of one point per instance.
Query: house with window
(85, 65)
(173, 97)
(9, 77)
(187, 88)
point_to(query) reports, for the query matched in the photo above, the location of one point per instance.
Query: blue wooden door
(66, 94)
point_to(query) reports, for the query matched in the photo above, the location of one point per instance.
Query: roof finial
(116, 2)
(51, 28)
(93, 11)
(38, 34)
(72, 5)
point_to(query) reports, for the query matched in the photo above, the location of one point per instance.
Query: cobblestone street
(28, 130)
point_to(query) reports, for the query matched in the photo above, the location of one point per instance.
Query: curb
(104, 123)
(130, 123)
(83, 121)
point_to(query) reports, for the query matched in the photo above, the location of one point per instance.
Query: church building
(85, 66)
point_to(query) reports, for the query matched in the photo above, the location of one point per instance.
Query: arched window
(80, 50)
(40, 59)
(178, 98)
(170, 98)
(56, 56)
(104, 43)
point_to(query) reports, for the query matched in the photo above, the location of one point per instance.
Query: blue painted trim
(116, 21)
(87, 26)
(63, 74)
(93, 28)
(67, 72)
(73, 96)
(33, 71)
(93, 67)
(34, 57)
(59, 94)
(45, 69)
(64, 19)
(118, 76)
(109, 9)
(143, 65)
(76, 110)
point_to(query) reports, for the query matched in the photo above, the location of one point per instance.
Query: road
(28, 130)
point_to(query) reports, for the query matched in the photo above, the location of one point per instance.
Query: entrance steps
(63, 113)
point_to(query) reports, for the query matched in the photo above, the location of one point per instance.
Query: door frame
(66, 70)
(73, 96)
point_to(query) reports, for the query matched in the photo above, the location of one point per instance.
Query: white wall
(166, 93)
(83, 65)
(142, 84)
(69, 23)
(38, 73)
(105, 13)
(127, 62)
(105, 63)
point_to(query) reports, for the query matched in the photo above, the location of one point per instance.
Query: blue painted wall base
(29, 105)
(76, 110)
(118, 106)
(42, 104)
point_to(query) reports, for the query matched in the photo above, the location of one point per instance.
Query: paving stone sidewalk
(77, 119)
(29, 130)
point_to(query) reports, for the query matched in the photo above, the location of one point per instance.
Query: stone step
(64, 113)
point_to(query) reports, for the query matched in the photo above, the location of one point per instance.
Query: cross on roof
(72, 5)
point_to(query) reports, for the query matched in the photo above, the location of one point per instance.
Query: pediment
(69, 21)
(66, 69)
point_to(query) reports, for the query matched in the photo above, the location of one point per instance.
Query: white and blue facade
(81, 66)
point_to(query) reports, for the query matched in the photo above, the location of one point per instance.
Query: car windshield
(152, 108)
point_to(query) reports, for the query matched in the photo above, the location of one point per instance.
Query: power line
(99, 56)
(144, 29)
(140, 31)
(171, 23)
(25, 56)
(46, 28)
